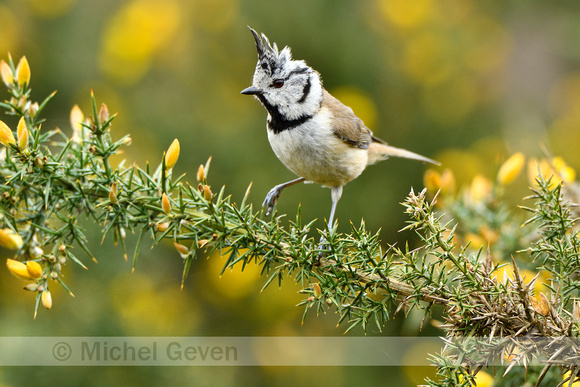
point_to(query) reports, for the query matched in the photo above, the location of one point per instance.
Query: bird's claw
(271, 200)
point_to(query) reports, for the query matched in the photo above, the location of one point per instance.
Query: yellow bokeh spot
(51, 8)
(151, 308)
(483, 379)
(557, 170)
(419, 352)
(566, 376)
(135, 35)
(443, 182)
(362, 105)
(566, 173)
(233, 283)
(467, 163)
(511, 168)
(427, 59)
(507, 271)
(407, 14)
(9, 30)
(480, 188)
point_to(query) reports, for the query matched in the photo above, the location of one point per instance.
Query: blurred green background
(465, 82)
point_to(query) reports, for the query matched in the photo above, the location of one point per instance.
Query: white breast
(313, 152)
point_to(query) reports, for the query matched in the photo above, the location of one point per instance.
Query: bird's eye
(278, 83)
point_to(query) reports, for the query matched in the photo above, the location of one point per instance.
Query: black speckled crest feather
(268, 56)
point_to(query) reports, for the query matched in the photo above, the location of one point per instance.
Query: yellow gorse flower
(34, 269)
(46, 299)
(511, 168)
(76, 119)
(567, 376)
(23, 72)
(6, 135)
(480, 188)
(165, 204)
(557, 170)
(18, 269)
(9, 239)
(201, 174)
(6, 72)
(113, 194)
(22, 132)
(172, 154)
(566, 173)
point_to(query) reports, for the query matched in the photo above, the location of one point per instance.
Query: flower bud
(172, 155)
(35, 252)
(22, 132)
(202, 243)
(33, 109)
(544, 305)
(535, 304)
(6, 135)
(46, 299)
(10, 239)
(511, 168)
(6, 72)
(39, 162)
(162, 227)
(113, 194)
(34, 269)
(207, 193)
(165, 204)
(32, 287)
(18, 269)
(23, 72)
(103, 114)
(201, 174)
(183, 250)
(316, 290)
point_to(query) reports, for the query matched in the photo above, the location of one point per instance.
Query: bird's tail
(380, 151)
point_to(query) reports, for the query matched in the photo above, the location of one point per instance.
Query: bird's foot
(272, 199)
(323, 248)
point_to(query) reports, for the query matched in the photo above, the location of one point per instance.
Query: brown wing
(347, 126)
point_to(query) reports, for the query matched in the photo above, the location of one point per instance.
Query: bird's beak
(250, 91)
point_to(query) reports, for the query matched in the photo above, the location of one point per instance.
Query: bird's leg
(335, 194)
(272, 196)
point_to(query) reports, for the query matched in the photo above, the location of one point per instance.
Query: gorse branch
(462, 264)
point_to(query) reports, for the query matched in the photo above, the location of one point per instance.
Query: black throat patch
(277, 122)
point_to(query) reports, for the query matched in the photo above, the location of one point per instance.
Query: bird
(312, 133)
